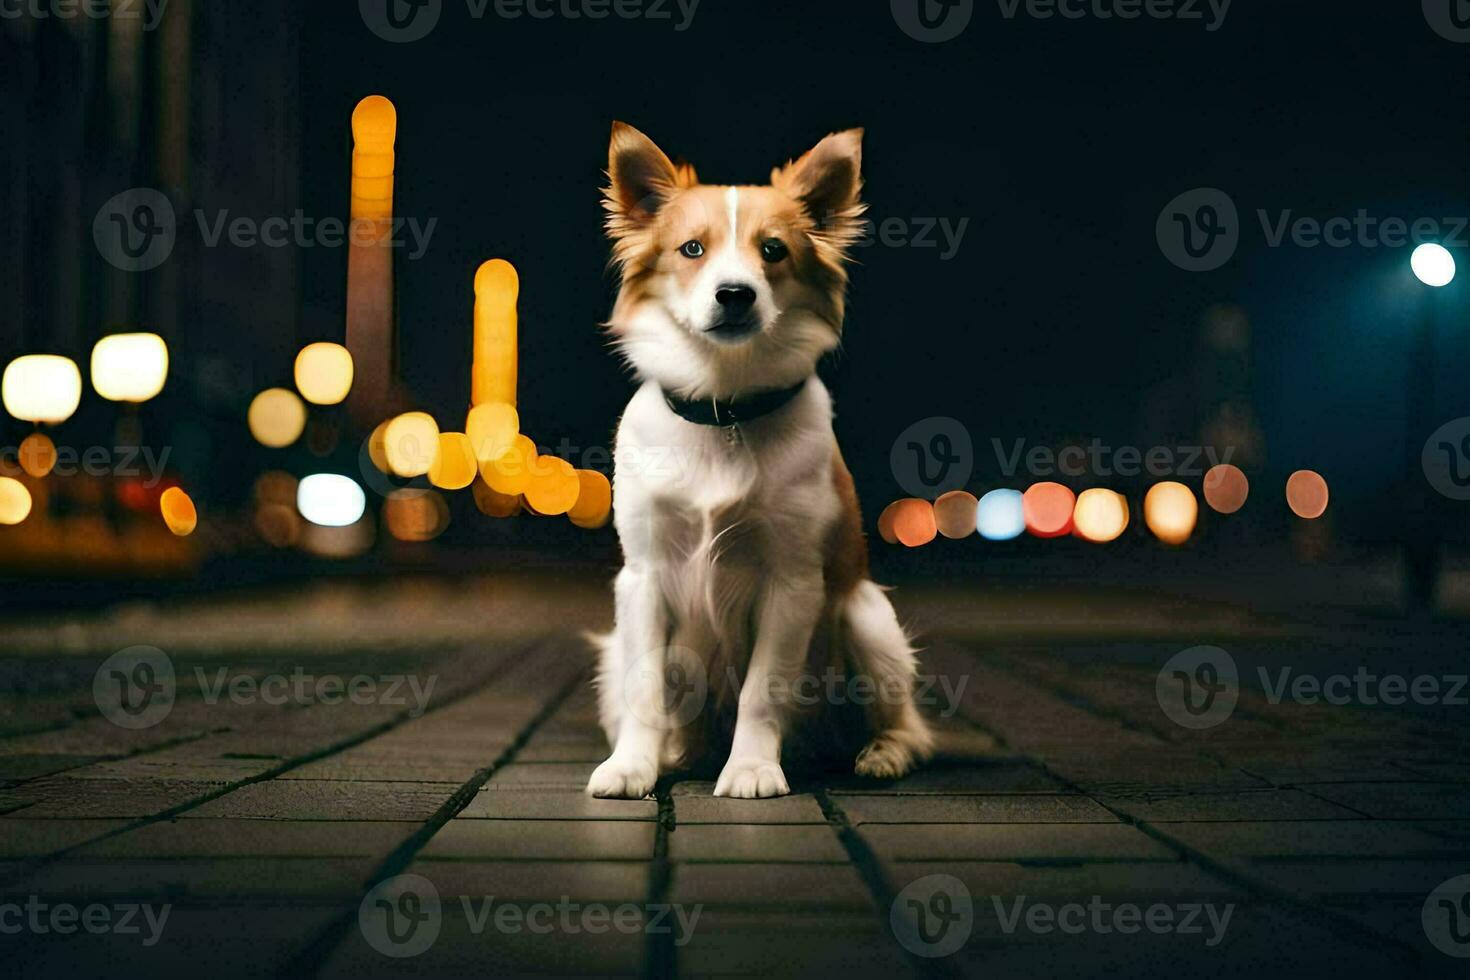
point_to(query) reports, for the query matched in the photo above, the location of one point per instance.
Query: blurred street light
(1433, 264)
(42, 388)
(129, 367)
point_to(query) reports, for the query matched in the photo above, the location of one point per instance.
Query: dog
(745, 575)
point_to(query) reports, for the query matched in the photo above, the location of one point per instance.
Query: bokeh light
(41, 388)
(411, 443)
(510, 472)
(377, 447)
(15, 501)
(1171, 512)
(1433, 264)
(455, 466)
(913, 522)
(129, 367)
(324, 373)
(415, 515)
(277, 418)
(179, 512)
(492, 427)
(278, 525)
(593, 508)
(885, 523)
(954, 514)
(1000, 515)
(1100, 515)
(1226, 488)
(554, 486)
(1306, 494)
(37, 454)
(492, 503)
(1048, 508)
(330, 500)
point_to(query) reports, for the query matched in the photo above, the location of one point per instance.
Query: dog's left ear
(827, 181)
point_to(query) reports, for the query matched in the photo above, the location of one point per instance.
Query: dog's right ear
(640, 178)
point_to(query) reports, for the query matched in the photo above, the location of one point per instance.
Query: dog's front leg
(642, 634)
(788, 614)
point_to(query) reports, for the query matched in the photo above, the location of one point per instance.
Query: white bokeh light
(1433, 264)
(330, 500)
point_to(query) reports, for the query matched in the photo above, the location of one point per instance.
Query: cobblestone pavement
(419, 811)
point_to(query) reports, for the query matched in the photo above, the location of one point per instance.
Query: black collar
(733, 411)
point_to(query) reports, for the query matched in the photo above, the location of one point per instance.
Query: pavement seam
(314, 955)
(660, 954)
(31, 865)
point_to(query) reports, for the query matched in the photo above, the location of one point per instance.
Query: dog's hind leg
(881, 651)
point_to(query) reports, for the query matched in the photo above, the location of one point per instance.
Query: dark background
(1060, 141)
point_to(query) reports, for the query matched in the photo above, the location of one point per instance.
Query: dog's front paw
(884, 758)
(623, 779)
(751, 780)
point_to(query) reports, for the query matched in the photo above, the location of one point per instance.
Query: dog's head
(730, 289)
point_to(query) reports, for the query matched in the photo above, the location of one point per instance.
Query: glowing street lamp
(129, 367)
(42, 388)
(1434, 266)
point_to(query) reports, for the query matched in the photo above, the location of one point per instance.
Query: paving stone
(1114, 880)
(536, 803)
(1458, 772)
(1026, 808)
(543, 775)
(1401, 801)
(999, 777)
(1311, 838)
(570, 840)
(249, 878)
(232, 838)
(16, 768)
(808, 887)
(280, 799)
(1325, 878)
(68, 798)
(583, 881)
(739, 944)
(693, 804)
(592, 750)
(1280, 804)
(1049, 842)
(20, 837)
(756, 842)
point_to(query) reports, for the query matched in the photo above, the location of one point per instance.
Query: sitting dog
(745, 574)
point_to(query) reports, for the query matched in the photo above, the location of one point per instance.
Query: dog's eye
(691, 249)
(774, 250)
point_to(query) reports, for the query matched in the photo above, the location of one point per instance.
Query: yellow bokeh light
(178, 512)
(455, 467)
(510, 472)
(129, 367)
(374, 130)
(594, 500)
(378, 447)
(493, 375)
(41, 388)
(492, 503)
(554, 486)
(324, 373)
(15, 501)
(1100, 516)
(411, 444)
(1170, 511)
(492, 427)
(277, 418)
(37, 454)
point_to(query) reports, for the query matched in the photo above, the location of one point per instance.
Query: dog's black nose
(736, 299)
